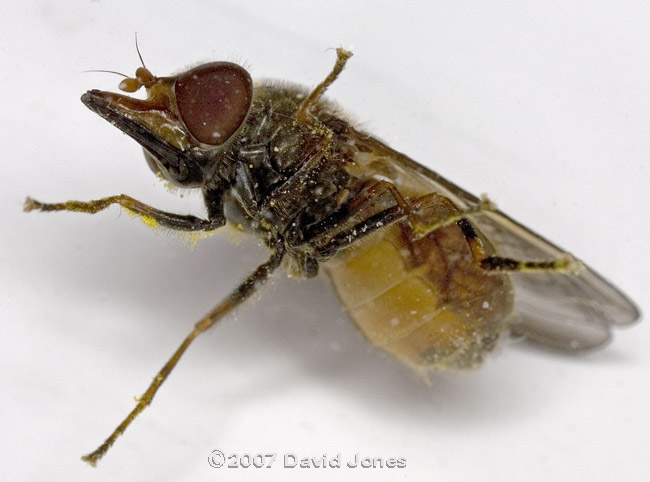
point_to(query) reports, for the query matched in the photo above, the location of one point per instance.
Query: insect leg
(565, 264)
(150, 214)
(285, 201)
(241, 293)
(247, 193)
(420, 230)
(562, 264)
(376, 206)
(342, 57)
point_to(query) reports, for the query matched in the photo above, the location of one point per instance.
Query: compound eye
(213, 100)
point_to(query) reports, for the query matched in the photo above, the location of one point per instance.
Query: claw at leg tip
(29, 204)
(90, 459)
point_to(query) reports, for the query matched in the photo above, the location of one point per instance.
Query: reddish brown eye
(213, 100)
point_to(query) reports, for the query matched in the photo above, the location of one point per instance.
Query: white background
(543, 105)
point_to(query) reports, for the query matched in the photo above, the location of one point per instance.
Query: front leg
(151, 216)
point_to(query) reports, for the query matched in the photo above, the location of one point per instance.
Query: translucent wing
(562, 310)
(565, 311)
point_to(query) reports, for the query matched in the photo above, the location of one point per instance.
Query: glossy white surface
(545, 106)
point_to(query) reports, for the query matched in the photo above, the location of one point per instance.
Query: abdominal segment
(426, 301)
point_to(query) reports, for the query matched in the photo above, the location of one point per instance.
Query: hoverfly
(430, 273)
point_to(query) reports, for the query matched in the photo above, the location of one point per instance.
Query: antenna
(137, 49)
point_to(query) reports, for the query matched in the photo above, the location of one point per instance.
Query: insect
(430, 273)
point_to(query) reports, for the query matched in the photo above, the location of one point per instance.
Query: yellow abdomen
(425, 301)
